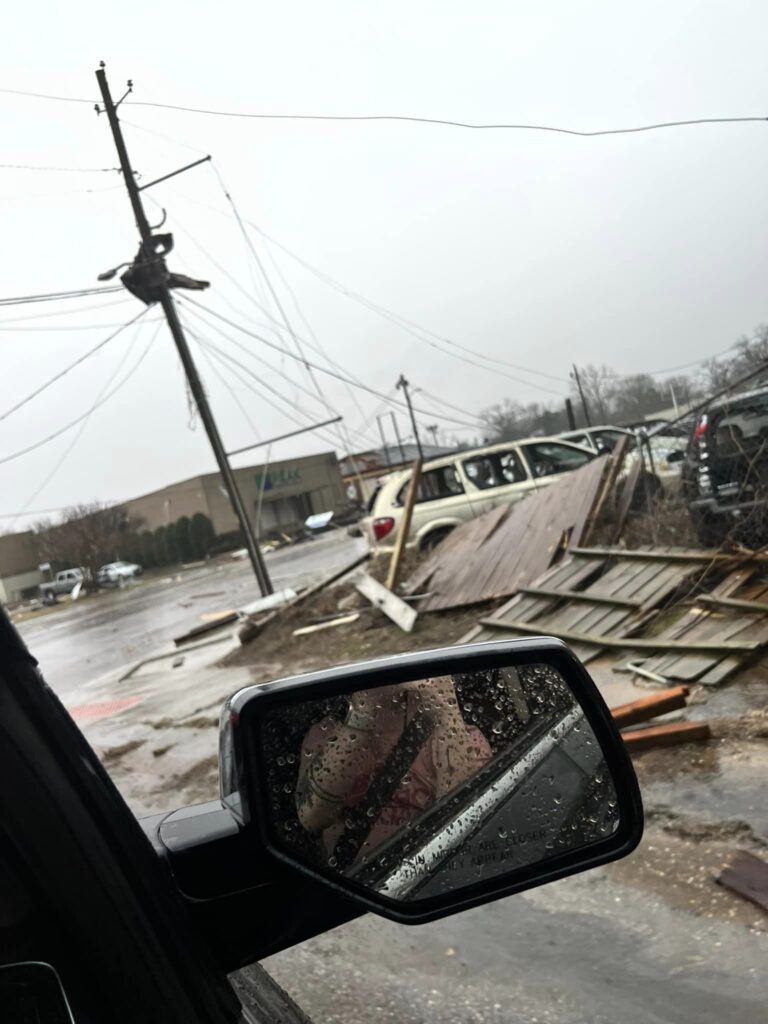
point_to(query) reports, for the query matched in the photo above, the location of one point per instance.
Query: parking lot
(80, 642)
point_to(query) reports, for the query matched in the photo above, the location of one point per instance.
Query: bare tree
(89, 535)
(598, 384)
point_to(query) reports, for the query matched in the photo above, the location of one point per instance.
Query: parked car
(115, 574)
(597, 439)
(725, 470)
(664, 475)
(63, 583)
(462, 485)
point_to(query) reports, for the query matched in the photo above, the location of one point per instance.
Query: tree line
(92, 534)
(617, 399)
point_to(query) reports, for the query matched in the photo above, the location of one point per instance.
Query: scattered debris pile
(643, 602)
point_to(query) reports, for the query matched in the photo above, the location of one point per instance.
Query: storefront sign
(278, 478)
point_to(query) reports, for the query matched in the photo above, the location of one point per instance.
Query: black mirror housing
(424, 784)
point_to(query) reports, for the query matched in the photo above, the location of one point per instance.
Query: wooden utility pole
(405, 525)
(569, 414)
(584, 405)
(397, 435)
(403, 384)
(149, 268)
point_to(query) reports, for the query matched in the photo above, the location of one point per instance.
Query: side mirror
(676, 456)
(427, 783)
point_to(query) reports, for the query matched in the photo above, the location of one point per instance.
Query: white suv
(463, 485)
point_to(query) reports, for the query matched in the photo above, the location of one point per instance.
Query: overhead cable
(320, 369)
(71, 366)
(84, 416)
(23, 300)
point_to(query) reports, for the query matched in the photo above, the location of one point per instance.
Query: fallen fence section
(609, 598)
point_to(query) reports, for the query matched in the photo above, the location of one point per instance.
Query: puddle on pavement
(718, 781)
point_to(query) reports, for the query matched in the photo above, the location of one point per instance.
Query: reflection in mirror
(426, 788)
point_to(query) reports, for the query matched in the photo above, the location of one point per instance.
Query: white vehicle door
(495, 478)
(441, 501)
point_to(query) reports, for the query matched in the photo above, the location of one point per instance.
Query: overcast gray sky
(640, 251)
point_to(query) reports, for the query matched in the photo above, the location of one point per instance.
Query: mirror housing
(543, 790)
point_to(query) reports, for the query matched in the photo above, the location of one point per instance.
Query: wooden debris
(252, 626)
(645, 673)
(509, 546)
(339, 620)
(405, 526)
(392, 606)
(637, 643)
(666, 735)
(626, 498)
(219, 617)
(655, 704)
(608, 487)
(205, 627)
(747, 875)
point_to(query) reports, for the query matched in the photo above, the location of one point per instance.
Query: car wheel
(432, 539)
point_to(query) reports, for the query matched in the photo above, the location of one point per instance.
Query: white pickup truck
(63, 583)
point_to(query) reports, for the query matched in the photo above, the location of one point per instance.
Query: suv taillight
(701, 429)
(383, 526)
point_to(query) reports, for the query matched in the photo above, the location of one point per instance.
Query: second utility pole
(151, 259)
(403, 383)
(584, 405)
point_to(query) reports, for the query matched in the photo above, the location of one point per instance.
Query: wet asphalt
(581, 951)
(85, 640)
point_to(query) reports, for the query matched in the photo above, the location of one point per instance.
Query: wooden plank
(580, 595)
(608, 488)
(756, 607)
(625, 500)
(638, 643)
(405, 525)
(654, 554)
(747, 875)
(402, 614)
(666, 735)
(641, 710)
(342, 620)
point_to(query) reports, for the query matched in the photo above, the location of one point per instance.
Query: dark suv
(725, 472)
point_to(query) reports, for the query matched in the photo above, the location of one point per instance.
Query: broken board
(394, 607)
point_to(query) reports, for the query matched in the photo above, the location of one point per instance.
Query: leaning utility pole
(403, 383)
(584, 405)
(149, 278)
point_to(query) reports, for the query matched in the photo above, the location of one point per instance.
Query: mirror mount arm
(245, 905)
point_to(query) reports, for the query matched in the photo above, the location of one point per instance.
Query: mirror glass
(424, 788)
